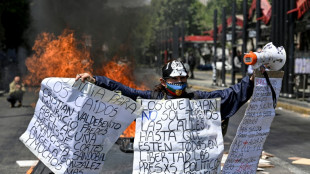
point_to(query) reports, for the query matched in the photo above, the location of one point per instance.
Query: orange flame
(56, 57)
(122, 72)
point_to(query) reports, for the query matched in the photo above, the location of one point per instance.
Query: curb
(299, 109)
(195, 87)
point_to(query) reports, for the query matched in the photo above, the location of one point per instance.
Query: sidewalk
(203, 81)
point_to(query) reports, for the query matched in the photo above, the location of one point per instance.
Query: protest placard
(302, 65)
(75, 124)
(253, 130)
(178, 136)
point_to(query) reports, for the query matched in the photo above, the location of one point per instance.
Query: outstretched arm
(233, 97)
(112, 85)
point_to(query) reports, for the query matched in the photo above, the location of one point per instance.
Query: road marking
(298, 160)
(286, 165)
(27, 163)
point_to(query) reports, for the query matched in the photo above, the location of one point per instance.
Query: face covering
(176, 89)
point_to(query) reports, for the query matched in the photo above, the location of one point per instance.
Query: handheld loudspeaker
(271, 57)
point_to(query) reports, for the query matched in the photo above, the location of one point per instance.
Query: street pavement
(14, 122)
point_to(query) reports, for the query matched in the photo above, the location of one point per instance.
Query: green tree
(168, 13)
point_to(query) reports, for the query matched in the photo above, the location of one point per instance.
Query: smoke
(107, 22)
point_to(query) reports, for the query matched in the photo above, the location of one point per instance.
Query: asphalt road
(13, 122)
(289, 137)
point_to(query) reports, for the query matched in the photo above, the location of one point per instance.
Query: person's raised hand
(85, 76)
(252, 77)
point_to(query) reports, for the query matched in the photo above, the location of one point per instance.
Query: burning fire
(56, 57)
(62, 57)
(122, 72)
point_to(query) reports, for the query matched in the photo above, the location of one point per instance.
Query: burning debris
(61, 56)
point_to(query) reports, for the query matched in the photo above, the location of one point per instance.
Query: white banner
(178, 136)
(75, 124)
(247, 146)
(302, 65)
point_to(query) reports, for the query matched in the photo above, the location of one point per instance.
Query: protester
(237, 61)
(173, 85)
(192, 63)
(17, 90)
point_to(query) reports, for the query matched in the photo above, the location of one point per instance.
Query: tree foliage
(168, 13)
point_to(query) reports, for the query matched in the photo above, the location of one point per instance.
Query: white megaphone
(271, 57)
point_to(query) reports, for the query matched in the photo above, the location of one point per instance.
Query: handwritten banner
(75, 124)
(302, 65)
(253, 130)
(178, 136)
